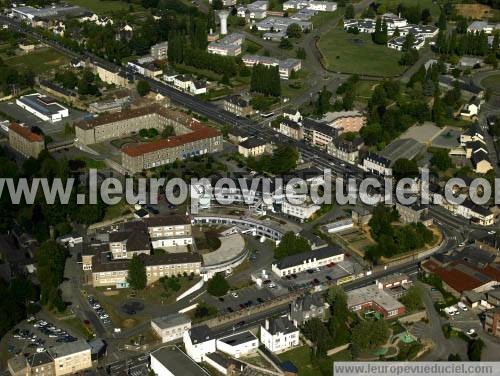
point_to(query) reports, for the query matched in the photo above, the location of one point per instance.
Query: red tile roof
(198, 132)
(468, 278)
(25, 133)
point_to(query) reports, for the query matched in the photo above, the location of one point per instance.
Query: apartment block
(26, 142)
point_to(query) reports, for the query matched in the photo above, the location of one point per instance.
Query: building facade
(26, 142)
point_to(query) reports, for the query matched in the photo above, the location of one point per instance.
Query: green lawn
(38, 61)
(301, 357)
(349, 53)
(392, 5)
(492, 83)
(102, 6)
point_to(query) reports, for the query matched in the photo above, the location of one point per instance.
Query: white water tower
(223, 14)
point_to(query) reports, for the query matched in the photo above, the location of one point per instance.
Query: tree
(349, 12)
(143, 88)
(316, 331)
(285, 44)
(442, 21)
(50, 260)
(291, 244)
(405, 168)
(218, 286)
(323, 102)
(368, 335)
(412, 299)
(265, 80)
(167, 131)
(217, 4)
(293, 31)
(136, 277)
(301, 53)
(474, 349)
(441, 160)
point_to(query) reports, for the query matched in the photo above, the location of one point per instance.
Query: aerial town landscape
(167, 170)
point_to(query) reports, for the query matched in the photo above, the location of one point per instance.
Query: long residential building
(114, 273)
(229, 45)
(25, 141)
(286, 67)
(301, 262)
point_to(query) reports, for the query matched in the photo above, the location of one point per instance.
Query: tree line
(266, 80)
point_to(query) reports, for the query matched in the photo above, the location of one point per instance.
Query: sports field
(104, 6)
(38, 61)
(349, 53)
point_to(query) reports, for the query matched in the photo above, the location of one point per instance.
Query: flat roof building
(373, 298)
(43, 107)
(172, 361)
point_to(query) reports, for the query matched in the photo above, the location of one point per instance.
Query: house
(171, 327)
(320, 6)
(377, 164)
(467, 86)
(226, 3)
(304, 261)
(366, 25)
(71, 358)
(373, 298)
(291, 129)
(237, 135)
(470, 110)
(279, 334)
(476, 213)
(237, 105)
(43, 107)
(187, 83)
(347, 151)
(301, 211)
(172, 361)
(307, 307)
(198, 342)
(472, 134)
(239, 344)
(225, 365)
(253, 11)
(293, 115)
(252, 147)
(145, 67)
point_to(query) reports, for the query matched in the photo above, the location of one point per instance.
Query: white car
(462, 306)
(272, 285)
(492, 232)
(234, 294)
(40, 349)
(470, 332)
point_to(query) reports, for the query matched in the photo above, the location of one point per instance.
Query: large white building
(300, 211)
(239, 344)
(286, 67)
(255, 10)
(71, 358)
(198, 342)
(43, 107)
(230, 45)
(320, 6)
(304, 261)
(171, 327)
(377, 164)
(279, 334)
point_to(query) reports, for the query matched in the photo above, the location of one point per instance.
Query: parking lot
(100, 312)
(241, 299)
(36, 335)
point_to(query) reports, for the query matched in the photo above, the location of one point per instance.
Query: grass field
(349, 53)
(38, 61)
(492, 83)
(301, 357)
(392, 5)
(104, 6)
